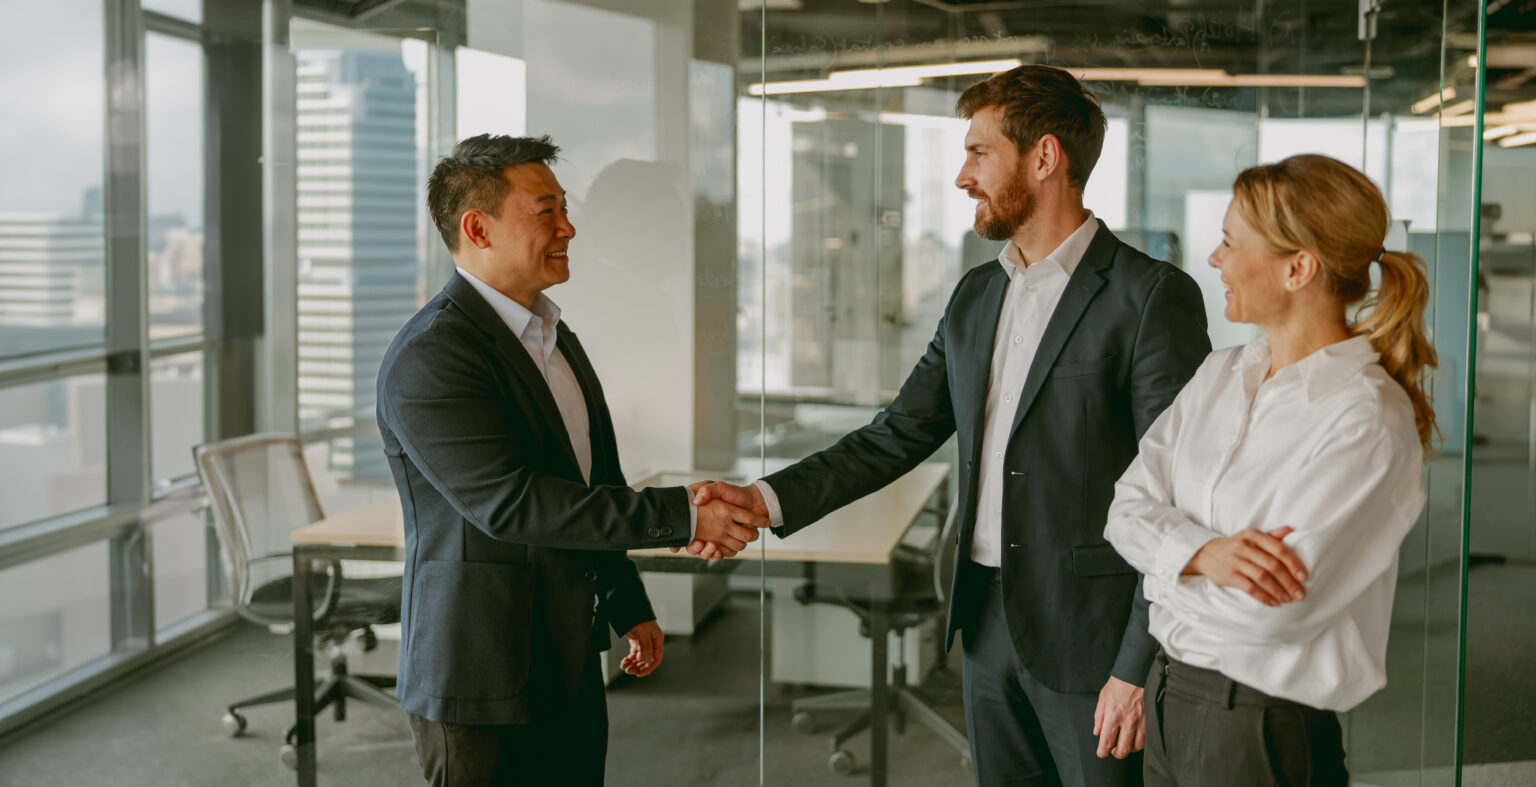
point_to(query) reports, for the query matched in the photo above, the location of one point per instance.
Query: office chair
(260, 491)
(922, 582)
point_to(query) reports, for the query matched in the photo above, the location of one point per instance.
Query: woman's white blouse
(1326, 446)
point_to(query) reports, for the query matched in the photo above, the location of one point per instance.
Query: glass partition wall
(863, 234)
(768, 231)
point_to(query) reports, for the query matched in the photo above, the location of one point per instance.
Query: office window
(190, 10)
(173, 76)
(56, 616)
(52, 245)
(360, 222)
(179, 546)
(176, 414)
(53, 446)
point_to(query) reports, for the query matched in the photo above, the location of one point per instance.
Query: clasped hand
(727, 521)
(1255, 562)
(733, 513)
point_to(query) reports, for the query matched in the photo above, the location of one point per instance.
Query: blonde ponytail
(1332, 209)
(1395, 325)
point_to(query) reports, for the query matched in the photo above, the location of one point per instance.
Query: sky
(52, 94)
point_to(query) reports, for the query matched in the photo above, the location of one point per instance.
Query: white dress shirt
(536, 331)
(1328, 447)
(1033, 292)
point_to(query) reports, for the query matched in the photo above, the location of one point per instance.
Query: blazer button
(591, 575)
(654, 532)
(666, 531)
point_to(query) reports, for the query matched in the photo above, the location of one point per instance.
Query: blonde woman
(1268, 503)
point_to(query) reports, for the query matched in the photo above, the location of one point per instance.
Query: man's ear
(1045, 158)
(472, 225)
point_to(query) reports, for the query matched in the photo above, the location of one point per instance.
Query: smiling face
(1251, 270)
(991, 176)
(530, 236)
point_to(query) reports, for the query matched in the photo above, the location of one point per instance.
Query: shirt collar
(1066, 256)
(511, 312)
(1320, 373)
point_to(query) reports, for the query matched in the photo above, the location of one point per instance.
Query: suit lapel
(979, 361)
(1085, 283)
(592, 394)
(512, 350)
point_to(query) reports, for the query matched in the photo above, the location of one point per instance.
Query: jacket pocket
(1099, 560)
(470, 630)
(1083, 368)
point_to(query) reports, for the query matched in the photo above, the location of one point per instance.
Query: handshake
(729, 517)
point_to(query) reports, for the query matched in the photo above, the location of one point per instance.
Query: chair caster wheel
(841, 762)
(289, 756)
(234, 724)
(803, 723)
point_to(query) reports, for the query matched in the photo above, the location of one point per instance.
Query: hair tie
(1379, 254)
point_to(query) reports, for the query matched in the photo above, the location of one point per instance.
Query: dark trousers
(1204, 728)
(1022, 733)
(568, 750)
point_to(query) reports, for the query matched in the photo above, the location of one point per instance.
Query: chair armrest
(332, 589)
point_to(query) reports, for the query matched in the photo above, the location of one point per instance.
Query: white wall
(610, 85)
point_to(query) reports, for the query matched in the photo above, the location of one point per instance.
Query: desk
(850, 547)
(372, 532)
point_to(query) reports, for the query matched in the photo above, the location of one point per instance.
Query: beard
(1014, 206)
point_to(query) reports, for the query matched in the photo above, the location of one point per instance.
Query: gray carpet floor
(693, 722)
(696, 721)
(1500, 722)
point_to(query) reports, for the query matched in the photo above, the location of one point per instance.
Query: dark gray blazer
(1128, 332)
(507, 548)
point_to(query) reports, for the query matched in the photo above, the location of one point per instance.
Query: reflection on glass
(176, 414)
(190, 10)
(52, 247)
(360, 146)
(180, 559)
(173, 74)
(53, 448)
(57, 616)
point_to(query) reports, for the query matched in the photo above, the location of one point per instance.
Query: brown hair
(1333, 210)
(1038, 100)
(474, 177)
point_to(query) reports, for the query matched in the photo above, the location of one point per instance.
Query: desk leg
(303, 670)
(879, 696)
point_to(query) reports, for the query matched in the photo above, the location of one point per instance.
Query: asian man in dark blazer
(516, 512)
(1048, 364)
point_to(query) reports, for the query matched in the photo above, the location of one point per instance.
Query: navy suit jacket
(1127, 334)
(513, 561)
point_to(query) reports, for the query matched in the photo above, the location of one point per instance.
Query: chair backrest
(944, 553)
(260, 490)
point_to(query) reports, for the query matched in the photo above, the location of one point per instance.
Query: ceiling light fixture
(911, 76)
(1144, 74)
(1285, 80)
(1528, 138)
(1432, 100)
(826, 85)
(1459, 108)
(964, 68)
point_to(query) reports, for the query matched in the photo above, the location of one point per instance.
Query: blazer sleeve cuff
(1135, 659)
(629, 607)
(771, 500)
